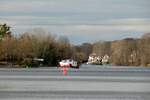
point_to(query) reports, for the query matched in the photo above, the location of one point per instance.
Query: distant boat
(69, 63)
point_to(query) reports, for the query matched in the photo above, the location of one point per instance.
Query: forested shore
(23, 49)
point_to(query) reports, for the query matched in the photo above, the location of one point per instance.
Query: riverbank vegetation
(126, 52)
(22, 50)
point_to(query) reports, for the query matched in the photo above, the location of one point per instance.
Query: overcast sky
(79, 20)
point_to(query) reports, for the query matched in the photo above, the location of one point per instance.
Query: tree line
(23, 49)
(126, 52)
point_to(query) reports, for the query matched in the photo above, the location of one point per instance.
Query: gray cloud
(92, 19)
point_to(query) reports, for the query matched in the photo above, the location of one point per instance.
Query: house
(94, 59)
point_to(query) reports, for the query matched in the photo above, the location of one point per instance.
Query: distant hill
(129, 39)
(146, 35)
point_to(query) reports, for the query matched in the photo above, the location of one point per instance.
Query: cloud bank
(80, 20)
